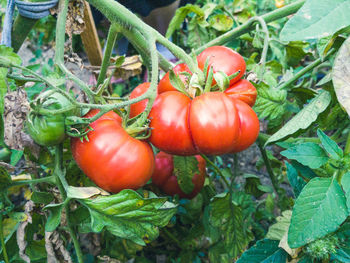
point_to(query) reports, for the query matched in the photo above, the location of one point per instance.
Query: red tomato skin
(223, 59)
(169, 124)
(243, 90)
(164, 84)
(138, 107)
(214, 123)
(164, 178)
(249, 126)
(111, 158)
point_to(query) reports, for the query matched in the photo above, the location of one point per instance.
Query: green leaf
(294, 179)
(184, 169)
(330, 146)
(8, 57)
(264, 251)
(54, 218)
(341, 75)
(304, 171)
(271, 103)
(10, 225)
(309, 154)
(228, 218)
(221, 22)
(316, 19)
(128, 215)
(15, 156)
(319, 210)
(304, 118)
(42, 197)
(180, 16)
(345, 182)
(5, 179)
(197, 35)
(177, 83)
(280, 228)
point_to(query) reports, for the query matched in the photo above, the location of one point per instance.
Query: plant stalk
(111, 39)
(246, 27)
(63, 186)
(2, 240)
(59, 54)
(217, 169)
(268, 165)
(309, 67)
(48, 179)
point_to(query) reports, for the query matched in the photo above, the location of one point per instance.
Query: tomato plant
(111, 157)
(286, 199)
(165, 178)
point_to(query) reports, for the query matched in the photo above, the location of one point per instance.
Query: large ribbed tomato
(223, 59)
(208, 124)
(248, 126)
(111, 157)
(244, 91)
(165, 178)
(165, 84)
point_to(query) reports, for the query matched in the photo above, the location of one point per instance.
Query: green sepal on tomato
(222, 59)
(166, 178)
(49, 130)
(110, 157)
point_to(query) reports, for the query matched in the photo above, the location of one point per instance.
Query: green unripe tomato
(49, 130)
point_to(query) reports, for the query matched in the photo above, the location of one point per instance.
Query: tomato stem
(226, 184)
(268, 165)
(48, 179)
(2, 240)
(59, 54)
(246, 27)
(63, 186)
(308, 68)
(114, 29)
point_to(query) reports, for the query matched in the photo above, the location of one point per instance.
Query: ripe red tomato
(111, 157)
(139, 107)
(243, 90)
(208, 124)
(169, 121)
(223, 59)
(214, 123)
(164, 177)
(165, 84)
(249, 126)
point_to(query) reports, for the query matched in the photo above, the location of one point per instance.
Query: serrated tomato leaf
(309, 154)
(264, 251)
(304, 118)
(345, 182)
(271, 102)
(184, 169)
(319, 210)
(330, 146)
(316, 19)
(229, 219)
(294, 179)
(280, 228)
(130, 216)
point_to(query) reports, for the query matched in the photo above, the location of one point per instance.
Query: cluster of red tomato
(212, 123)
